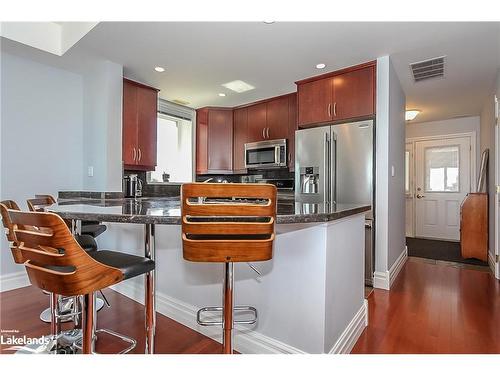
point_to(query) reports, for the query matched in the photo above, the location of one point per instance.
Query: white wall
(102, 119)
(41, 126)
(389, 190)
(487, 140)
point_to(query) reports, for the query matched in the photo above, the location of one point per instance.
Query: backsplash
(173, 190)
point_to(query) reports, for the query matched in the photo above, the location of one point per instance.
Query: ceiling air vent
(427, 69)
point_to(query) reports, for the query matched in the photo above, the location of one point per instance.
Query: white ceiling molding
(52, 37)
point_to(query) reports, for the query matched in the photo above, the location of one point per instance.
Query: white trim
(14, 280)
(353, 331)
(246, 341)
(491, 262)
(385, 279)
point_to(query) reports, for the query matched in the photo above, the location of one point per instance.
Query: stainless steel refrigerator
(335, 165)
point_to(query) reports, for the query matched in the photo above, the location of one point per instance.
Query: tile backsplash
(173, 190)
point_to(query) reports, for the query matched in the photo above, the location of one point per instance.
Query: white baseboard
(14, 280)
(246, 341)
(491, 262)
(384, 279)
(351, 334)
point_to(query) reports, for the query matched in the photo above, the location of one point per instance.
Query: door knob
(420, 196)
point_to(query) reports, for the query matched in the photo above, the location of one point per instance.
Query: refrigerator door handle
(326, 172)
(332, 168)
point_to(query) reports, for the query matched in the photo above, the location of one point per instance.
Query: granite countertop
(168, 211)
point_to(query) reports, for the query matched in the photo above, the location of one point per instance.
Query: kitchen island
(310, 296)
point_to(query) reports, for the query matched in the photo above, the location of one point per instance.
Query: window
(441, 169)
(174, 151)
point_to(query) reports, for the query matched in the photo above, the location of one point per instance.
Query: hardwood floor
(434, 307)
(20, 310)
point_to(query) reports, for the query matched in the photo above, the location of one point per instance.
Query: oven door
(262, 157)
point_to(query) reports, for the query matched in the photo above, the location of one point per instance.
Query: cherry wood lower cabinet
(214, 140)
(140, 113)
(474, 226)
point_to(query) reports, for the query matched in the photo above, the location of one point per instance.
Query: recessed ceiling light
(159, 69)
(269, 22)
(320, 66)
(222, 94)
(238, 86)
(411, 114)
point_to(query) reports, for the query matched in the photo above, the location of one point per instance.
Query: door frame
(473, 160)
(496, 194)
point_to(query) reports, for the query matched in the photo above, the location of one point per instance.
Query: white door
(443, 179)
(409, 189)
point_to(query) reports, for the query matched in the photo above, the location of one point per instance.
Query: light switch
(393, 173)
(90, 171)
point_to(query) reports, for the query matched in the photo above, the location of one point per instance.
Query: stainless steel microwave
(265, 154)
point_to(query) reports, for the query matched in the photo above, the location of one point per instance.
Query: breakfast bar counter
(166, 211)
(310, 296)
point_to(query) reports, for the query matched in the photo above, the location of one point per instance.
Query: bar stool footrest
(131, 341)
(208, 322)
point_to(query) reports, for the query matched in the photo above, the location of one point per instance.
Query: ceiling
(199, 57)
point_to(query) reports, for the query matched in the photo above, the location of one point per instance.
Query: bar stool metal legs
(228, 309)
(149, 283)
(228, 325)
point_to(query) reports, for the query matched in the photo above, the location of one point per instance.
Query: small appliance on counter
(132, 186)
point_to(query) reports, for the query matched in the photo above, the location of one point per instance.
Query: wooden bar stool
(57, 263)
(87, 228)
(19, 259)
(86, 241)
(228, 223)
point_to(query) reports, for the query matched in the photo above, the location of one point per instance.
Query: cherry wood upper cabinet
(342, 95)
(315, 101)
(257, 122)
(240, 127)
(147, 109)
(140, 108)
(292, 127)
(220, 140)
(214, 140)
(277, 118)
(353, 94)
(202, 141)
(129, 125)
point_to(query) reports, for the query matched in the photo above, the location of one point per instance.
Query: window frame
(177, 120)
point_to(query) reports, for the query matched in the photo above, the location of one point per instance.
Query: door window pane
(407, 172)
(442, 169)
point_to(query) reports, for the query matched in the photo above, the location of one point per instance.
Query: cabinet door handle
(335, 109)
(267, 133)
(140, 155)
(134, 154)
(264, 133)
(329, 109)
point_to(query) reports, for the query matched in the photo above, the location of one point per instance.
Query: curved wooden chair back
(228, 222)
(55, 262)
(9, 229)
(40, 202)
